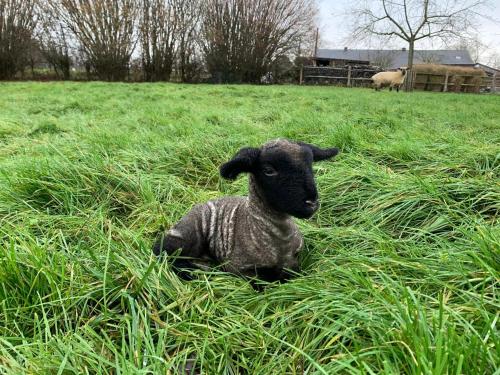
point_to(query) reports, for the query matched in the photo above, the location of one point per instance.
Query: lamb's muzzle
(254, 235)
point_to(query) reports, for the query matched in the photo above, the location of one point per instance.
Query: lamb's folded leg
(167, 244)
(189, 238)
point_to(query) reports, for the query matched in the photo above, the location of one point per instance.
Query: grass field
(401, 263)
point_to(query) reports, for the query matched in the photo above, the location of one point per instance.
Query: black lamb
(253, 236)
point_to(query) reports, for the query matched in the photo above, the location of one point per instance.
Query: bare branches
(55, 40)
(17, 24)
(237, 40)
(414, 20)
(106, 31)
(391, 19)
(189, 64)
(158, 36)
(241, 38)
(473, 44)
(169, 37)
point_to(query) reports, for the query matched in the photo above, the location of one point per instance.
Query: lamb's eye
(269, 171)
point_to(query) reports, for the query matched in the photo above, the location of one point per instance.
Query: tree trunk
(32, 66)
(66, 68)
(410, 54)
(409, 72)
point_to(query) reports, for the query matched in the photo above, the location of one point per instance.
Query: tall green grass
(401, 263)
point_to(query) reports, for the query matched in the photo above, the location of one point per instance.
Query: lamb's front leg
(291, 268)
(270, 275)
(278, 273)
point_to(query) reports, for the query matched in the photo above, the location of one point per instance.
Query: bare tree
(428, 57)
(473, 44)
(169, 36)
(414, 20)
(18, 21)
(494, 60)
(242, 38)
(189, 59)
(158, 33)
(55, 40)
(382, 59)
(106, 31)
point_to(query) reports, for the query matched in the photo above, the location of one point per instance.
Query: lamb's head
(282, 171)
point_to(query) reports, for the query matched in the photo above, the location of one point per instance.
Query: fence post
(494, 83)
(301, 75)
(349, 76)
(445, 88)
(427, 82)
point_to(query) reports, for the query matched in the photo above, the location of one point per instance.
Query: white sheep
(391, 79)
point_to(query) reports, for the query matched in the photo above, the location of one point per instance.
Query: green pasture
(401, 264)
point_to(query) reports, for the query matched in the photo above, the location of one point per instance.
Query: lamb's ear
(321, 153)
(243, 161)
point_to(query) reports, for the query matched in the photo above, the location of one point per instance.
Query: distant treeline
(156, 40)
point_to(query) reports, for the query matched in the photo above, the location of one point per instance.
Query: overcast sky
(334, 27)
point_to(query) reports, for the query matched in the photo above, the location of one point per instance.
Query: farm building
(436, 70)
(490, 71)
(390, 59)
(492, 81)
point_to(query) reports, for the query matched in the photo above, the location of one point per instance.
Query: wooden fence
(345, 76)
(451, 82)
(492, 83)
(355, 76)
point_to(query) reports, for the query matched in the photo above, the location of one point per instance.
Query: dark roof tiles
(398, 58)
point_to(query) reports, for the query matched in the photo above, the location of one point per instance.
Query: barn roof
(398, 58)
(488, 69)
